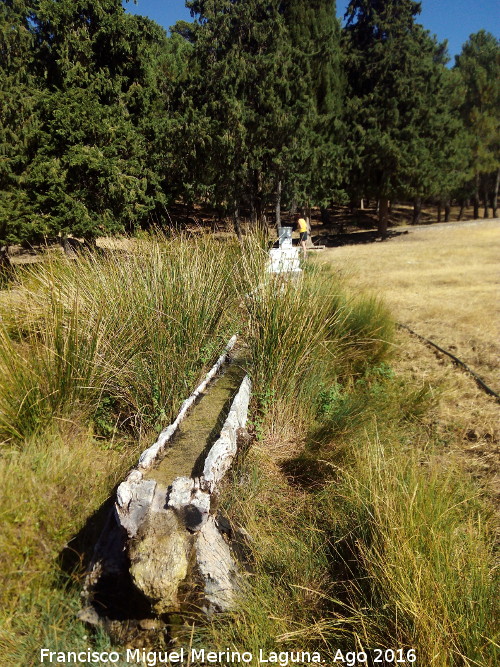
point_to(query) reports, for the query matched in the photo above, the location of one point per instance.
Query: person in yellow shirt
(302, 228)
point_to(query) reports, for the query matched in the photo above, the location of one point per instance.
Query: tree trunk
(494, 199)
(236, 221)
(362, 205)
(258, 208)
(439, 211)
(383, 210)
(253, 211)
(417, 210)
(6, 268)
(308, 217)
(462, 207)
(476, 199)
(447, 210)
(486, 213)
(278, 206)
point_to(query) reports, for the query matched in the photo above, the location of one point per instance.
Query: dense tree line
(105, 121)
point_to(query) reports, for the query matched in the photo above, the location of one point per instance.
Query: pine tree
(93, 173)
(319, 88)
(439, 148)
(96, 82)
(244, 67)
(479, 68)
(18, 122)
(400, 132)
(268, 95)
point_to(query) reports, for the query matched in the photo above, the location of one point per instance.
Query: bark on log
(223, 451)
(133, 500)
(177, 554)
(382, 217)
(218, 569)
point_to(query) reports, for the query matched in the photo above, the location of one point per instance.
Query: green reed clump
(393, 547)
(134, 329)
(307, 334)
(365, 327)
(49, 487)
(283, 602)
(48, 371)
(89, 345)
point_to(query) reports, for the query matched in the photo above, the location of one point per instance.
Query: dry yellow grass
(443, 282)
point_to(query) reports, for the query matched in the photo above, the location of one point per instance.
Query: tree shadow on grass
(307, 472)
(114, 595)
(332, 240)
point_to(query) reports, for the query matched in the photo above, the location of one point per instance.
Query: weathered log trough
(164, 550)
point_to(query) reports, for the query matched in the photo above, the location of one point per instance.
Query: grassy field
(374, 520)
(367, 528)
(96, 354)
(444, 282)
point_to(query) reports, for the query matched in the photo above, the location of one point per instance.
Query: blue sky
(453, 20)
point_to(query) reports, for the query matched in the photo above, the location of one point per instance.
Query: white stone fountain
(285, 258)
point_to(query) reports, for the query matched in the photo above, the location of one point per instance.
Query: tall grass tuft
(376, 540)
(370, 537)
(50, 487)
(128, 331)
(307, 334)
(387, 549)
(104, 344)
(282, 604)
(48, 371)
(420, 536)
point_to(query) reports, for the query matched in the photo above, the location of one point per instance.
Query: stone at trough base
(217, 567)
(133, 500)
(160, 561)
